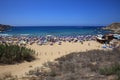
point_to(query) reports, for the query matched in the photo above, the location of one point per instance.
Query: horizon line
(60, 26)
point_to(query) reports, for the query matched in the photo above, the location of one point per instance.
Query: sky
(59, 12)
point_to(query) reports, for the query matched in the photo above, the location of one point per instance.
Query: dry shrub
(82, 65)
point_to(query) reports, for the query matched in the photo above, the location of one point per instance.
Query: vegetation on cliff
(4, 27)
(115, 27)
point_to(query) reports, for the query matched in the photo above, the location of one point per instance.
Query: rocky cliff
(115, 27)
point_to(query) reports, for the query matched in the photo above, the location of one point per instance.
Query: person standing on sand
(88, 44)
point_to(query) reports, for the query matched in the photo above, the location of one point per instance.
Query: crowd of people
(42, 40)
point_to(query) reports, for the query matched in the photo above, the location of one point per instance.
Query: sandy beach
(46, 53)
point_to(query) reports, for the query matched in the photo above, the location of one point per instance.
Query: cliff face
(115, 27)
(4, 27)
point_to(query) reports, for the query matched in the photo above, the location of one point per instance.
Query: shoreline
(55, 30)
(44, 40)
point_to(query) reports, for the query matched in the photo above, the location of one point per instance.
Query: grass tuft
(10, 54)
(113, 70)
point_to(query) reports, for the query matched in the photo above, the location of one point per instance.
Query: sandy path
(47, 53)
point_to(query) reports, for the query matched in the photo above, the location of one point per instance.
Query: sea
(54, 30)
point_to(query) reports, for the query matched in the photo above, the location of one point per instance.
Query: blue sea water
(55, 30)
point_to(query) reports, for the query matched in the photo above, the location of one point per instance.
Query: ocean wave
(5, 35)
(24, 34)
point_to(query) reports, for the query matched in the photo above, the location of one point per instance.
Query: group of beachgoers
(51, 40)
(43, 40)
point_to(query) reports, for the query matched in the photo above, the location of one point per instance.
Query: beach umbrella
(10, 42)
(22, 42)
(39, 43)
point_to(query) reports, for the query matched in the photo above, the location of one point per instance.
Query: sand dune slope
(48, 53)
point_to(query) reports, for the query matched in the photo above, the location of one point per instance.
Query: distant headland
(4, 27)
(115, 27)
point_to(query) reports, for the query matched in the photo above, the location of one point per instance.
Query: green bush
(10, 54)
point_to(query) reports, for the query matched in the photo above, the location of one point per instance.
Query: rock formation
(115, 27)
(4, 27)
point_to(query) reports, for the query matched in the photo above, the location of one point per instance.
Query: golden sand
(46, 53)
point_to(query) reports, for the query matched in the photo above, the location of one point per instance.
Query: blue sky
(59, 12)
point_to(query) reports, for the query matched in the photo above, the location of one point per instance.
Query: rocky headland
(115, 27)
(4, 27)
